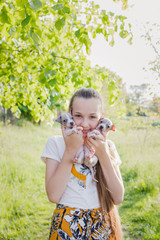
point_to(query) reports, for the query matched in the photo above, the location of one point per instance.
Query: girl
(85, 209)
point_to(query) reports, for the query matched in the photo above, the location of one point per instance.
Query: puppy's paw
(75, 160)
(79, 128)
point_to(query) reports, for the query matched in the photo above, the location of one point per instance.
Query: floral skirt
(78, 224)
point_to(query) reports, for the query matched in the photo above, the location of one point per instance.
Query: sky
(129, 61)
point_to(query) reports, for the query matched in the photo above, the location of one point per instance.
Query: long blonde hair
(106, 202)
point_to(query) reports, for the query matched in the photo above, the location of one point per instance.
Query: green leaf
(122, 18)
(130, 40)
(11, 31)
(112, 43)
(105, 19)
(11, 77)
(60, 23)
(20, 95)
(21, 3)
(57, 6)
(130, 26)
(4, 16)
(26, 21)
(53, 54)
(94, 34)
(99, 30)
(66, 10)
(34, 35)
(123, 34)
(35, 5)
(89, 18)
(111, 99)
(77, 33)
(52, 82)
(53, 72)
(115, 28)
(14, 108)
(42, 78)
(75, 75)
(111, 14)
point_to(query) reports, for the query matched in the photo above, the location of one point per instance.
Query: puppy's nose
(101, 127)
(72, 123)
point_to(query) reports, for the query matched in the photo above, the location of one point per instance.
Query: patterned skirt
(78, 224)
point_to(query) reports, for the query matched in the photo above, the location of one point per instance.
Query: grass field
(25, 212)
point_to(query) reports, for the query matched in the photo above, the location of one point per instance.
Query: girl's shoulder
(111, 144)
(55, 138)
(116, 158)
(55, 142)
(53, 148)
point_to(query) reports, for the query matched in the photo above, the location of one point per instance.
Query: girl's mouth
(85, 131)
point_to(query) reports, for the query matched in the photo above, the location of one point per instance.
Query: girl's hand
(73, 142)
(98, 145)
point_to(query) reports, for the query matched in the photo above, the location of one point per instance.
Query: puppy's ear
(113, 128)
(59, 119)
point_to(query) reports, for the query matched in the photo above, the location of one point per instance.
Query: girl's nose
(84, 123)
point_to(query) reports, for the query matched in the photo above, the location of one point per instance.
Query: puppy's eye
(72, 118)
(65, 120)
(101, 121)
(108, 126)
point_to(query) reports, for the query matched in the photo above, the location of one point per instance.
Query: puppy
(104, 126)
(66, 120)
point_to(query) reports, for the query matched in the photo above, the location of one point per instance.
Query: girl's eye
(78, 115)
(93, 117)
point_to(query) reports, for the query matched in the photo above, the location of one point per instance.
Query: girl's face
(86, 113)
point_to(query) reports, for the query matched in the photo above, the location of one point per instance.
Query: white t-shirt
(81, 190)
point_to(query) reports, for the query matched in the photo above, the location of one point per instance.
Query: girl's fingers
(63, 130)
(90, 142)
(89, 146)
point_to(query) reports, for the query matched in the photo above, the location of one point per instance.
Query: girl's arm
(57, 174)
(111, 174)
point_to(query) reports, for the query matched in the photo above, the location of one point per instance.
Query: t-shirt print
(79, 176)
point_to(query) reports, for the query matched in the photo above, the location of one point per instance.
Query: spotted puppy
(104, 126)
(66, 120)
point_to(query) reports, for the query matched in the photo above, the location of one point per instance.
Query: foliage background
(43, 53)
(43, 61)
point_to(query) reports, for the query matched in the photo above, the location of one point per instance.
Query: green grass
(140, 211)
(25, 210)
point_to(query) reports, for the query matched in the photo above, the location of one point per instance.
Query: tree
(155, 105)
(152, 39)
(43, 51)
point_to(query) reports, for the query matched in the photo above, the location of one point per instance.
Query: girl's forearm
(56, 184)
(113, 179)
